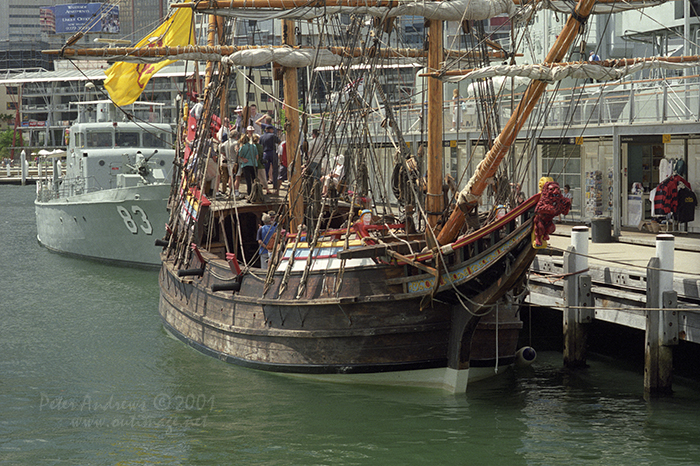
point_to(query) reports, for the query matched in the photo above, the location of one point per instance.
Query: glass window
(563, 163)
(99, 139)
(127, 139)
(156, 139)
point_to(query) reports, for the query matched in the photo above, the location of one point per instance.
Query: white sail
(584, 70)
(285, 56)
(243, 56)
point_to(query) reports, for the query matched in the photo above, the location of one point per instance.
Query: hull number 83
(138, 219)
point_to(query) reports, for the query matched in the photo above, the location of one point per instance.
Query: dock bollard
(665, 245)
(661, 324)
(579, 240)
(24, 167)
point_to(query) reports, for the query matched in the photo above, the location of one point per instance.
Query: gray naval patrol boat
(111, 202)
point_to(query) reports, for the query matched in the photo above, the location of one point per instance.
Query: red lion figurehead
(551, 204)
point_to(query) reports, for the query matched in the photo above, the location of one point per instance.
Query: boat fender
(525, 356)
(234, 286)
(161, 243)
(190, 272)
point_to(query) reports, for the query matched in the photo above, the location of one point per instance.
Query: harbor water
(88, 376)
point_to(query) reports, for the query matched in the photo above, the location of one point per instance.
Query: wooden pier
(13, 175)
(648, 282)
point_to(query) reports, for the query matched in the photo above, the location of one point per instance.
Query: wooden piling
(661, 325)
(578, 297)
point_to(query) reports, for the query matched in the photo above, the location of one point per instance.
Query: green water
(88, 376)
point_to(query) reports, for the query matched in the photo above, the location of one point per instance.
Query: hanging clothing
(652, 194)
(665, 169)
(679, 167)
(666, 199)
(686, 205)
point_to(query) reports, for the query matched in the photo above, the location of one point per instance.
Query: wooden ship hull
(388, 322)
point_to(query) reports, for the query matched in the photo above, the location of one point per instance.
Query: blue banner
(74, 17)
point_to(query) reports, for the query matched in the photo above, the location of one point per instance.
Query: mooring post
(577, 295)
(23, 166)
(661, 325)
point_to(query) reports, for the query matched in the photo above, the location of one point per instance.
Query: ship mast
(433, 202)
(470, 195)
(291, 123)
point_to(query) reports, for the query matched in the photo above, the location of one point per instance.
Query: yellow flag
(125, 81)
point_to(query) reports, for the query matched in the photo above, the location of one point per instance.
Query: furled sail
(286, 56)
(252, 55)
(608, 70)
(601, 7)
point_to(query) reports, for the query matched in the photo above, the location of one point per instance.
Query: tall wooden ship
(426, 297)
(421, 287)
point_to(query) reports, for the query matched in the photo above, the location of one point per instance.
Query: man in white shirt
(335, 175)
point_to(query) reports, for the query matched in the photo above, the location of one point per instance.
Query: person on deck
(231, 150)
(335, 175)
(262, 177)
(248, 158)
(284, 163)
(593, 57)
(315, 146)
(223, 164)
(252, 118)
(569, 195)
(264, 235)
(269, 141)
(239, 119)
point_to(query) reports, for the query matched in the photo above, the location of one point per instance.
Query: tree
(5, 143)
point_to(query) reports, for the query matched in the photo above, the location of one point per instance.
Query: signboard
(74, 17)
(556, 141)
(642, 139)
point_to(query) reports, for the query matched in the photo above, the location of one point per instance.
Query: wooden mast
(487, 168)
(211, 35)
(175, 51)
(291, 127)
(433, 202)
(216, 30)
